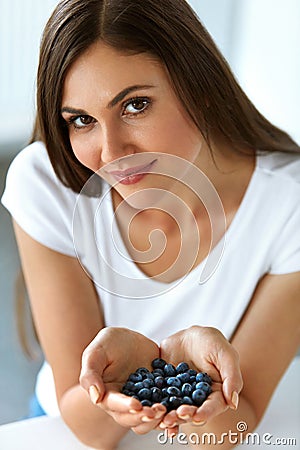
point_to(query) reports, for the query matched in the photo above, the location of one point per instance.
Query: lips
(131, 172)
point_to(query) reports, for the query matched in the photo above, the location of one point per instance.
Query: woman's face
(125, 121)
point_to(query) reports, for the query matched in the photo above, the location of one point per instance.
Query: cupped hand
(107, 362)
(206, 350)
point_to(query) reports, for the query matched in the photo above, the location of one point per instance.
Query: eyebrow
(125, 92)
(119, 97)
(79, 112)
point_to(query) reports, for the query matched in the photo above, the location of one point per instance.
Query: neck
(217, 171)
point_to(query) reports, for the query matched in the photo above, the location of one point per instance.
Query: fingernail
(94, 394)
(158, 409)
(146, 419)
(234, 400)
(185, 417)
(163, 426)
(173, 425)
(202, 422)
(159, 414)
(133, 411)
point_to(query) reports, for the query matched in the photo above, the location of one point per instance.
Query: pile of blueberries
(169, 385)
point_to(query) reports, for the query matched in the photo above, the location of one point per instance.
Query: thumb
(230, 372)
(94, 361)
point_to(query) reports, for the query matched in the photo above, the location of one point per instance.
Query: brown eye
(139, 104)
(136, 106)
(82, 121)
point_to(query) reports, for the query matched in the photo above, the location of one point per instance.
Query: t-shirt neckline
(223, 241)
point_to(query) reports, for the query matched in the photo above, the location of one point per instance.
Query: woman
(174, 246)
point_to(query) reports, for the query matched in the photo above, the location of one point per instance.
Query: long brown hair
(169, 30)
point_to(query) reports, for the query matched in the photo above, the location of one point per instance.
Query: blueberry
(174, 402)
(198, 397)
(186, 389)
(187, 400)
(173, 390)
(182, 367)
(150, 376)
(158, 363)
(201, 376)
(184, 377)
(207, 378)
(148, 383)
(204, 386)
(170, 370)
(165, 392)
(144, 394)
(156, 395)
(159, 382)
(146, 402)
(129, 386)
(126, 392)
(174, 381)
(171, 386)
(158, 373)
(142, 370)
(138, 386)
(132, 394)
(135, 377)
(165, 403)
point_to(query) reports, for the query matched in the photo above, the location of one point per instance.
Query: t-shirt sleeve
(286, 254)
(39, 203)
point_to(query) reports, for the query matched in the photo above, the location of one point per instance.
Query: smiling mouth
(132, 174)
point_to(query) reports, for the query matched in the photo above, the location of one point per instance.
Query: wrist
(90, 424)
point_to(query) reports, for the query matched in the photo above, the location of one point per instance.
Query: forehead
(106, 70)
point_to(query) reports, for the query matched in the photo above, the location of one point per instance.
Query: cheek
(181, 138)
(86, 152)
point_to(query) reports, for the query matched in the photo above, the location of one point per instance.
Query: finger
(117, 402)
(225, 359)
(172, 432)
(132, 420)
(149, 419)
(214, 405)
(146, 426)
(229, 367)
(94, 361)
(186, 412)
(171, 420)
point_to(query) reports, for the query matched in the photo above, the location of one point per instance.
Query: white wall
(267, 59)
(21, 25)
(218, 17)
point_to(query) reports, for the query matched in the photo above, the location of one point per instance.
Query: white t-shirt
(264, 237)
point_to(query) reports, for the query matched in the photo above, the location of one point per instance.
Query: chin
(142, 198)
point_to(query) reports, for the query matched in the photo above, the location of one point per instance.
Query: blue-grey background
(259, 38)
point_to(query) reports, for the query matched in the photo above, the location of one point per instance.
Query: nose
(115, 143)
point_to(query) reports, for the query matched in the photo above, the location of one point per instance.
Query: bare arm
(267, 340)
(67, 316)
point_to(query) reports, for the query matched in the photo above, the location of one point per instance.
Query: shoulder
(32, 161)
(39, 203)
(281, 166)
(31, 178)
